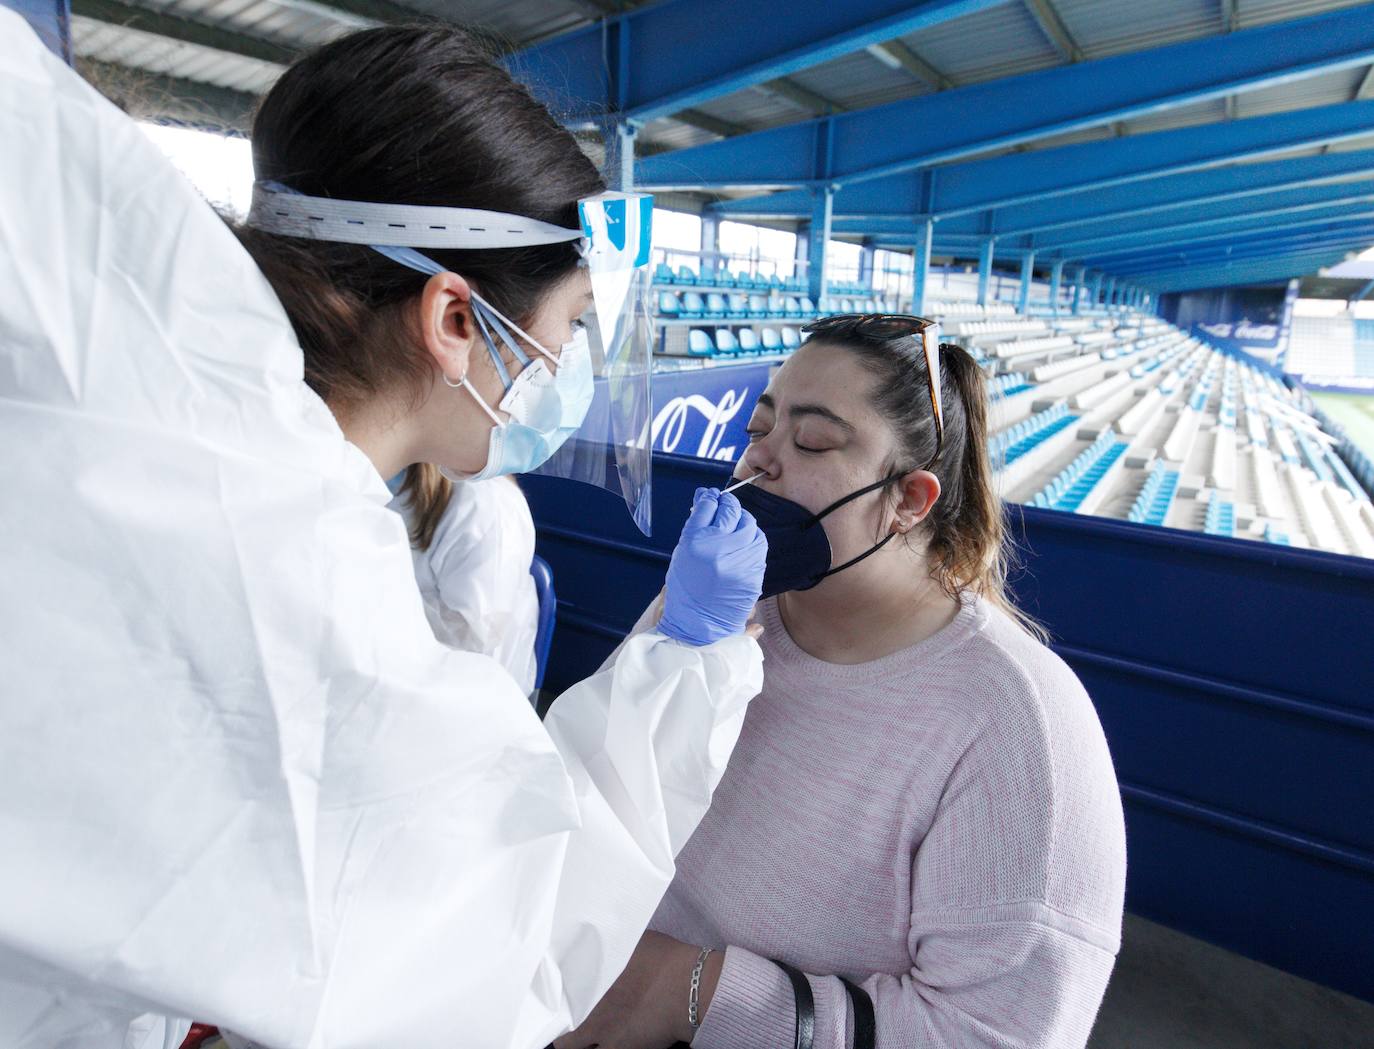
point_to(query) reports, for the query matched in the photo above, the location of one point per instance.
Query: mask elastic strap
(517, 329)
(867, 553)
(851, 497)
(492, 351)
(463, 382)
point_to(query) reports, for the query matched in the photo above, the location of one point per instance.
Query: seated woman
(922, 801)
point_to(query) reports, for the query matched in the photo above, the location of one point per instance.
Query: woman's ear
(917, 493)
(447, 328)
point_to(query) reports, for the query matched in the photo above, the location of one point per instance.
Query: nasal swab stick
(741, 484)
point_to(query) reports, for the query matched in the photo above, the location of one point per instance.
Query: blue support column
(1097, 290)
(1078, 288)
(1027, 277)
(984, 269)
(1110, 300)
(1056, 283)
(823, 205)
(920, 270)
(866, 254)
(710, 240)
(619, 138)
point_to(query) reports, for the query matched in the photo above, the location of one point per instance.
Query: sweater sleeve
(1017, 983)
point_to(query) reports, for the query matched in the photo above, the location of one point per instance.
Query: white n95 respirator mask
(545, 403)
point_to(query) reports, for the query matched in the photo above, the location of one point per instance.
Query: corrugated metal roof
(155, 54)
(859, 80)
(1001, 41)
(1111, 27)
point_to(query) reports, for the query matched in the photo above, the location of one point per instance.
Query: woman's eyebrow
(821, 411)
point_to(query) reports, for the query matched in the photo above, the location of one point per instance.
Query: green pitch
(1354, 411)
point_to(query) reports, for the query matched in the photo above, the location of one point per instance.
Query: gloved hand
(716, 574)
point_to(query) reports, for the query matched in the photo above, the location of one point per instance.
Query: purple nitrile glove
(716, 574)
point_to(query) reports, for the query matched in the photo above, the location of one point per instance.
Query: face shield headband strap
(277, 208)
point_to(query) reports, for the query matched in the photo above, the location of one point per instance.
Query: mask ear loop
(464, 384)
(849, 499)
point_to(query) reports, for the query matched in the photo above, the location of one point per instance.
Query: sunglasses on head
(895, 326)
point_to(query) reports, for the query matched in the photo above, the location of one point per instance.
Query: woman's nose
(757, 459)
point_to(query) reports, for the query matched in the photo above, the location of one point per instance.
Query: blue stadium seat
(791, 338)
(715, 306)
(663, 274)
(737, 307)
(548, 608)
(808, 308)
(686, 275)
(668, 305)
(699, 343)
(770, 340)
(726, 343)
(749, 341)
(777, 306)
(758, 306)
(692, 305)
(791, 307)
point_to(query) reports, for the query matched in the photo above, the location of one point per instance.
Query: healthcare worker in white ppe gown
(240, 781)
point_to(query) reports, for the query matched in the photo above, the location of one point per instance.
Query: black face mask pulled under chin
(798, 549)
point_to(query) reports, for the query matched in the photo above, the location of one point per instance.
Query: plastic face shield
(611, 449)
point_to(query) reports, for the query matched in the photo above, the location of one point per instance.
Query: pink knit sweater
(941, 826)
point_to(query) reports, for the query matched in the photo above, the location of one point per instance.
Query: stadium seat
(699, 343)
(726, 343)
(770, 340)
(737, 307)
(791, 306)
(686, 275)
(663, 274)
(715, 306)
(758, 306)
(777, 306)
(749, 341)
(668, 305)
(791, 338)
(692, 305)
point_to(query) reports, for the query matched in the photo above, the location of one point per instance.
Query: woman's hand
(647, 1006)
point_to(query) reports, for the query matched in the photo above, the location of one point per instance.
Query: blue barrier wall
(703, 412)
(1233, 680)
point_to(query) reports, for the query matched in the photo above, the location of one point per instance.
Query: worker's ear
(447, 327)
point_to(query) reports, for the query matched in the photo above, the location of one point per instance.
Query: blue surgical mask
(799, 551)
(545, 407)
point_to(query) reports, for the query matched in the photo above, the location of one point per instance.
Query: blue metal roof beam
(1054, 181)
(652, 62)
(1353, 234)
(1257, 272)
(1104, 250)
(1182, 222)
(951, 125)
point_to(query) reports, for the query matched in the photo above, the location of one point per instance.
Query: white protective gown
(240, 781)
(474, 577)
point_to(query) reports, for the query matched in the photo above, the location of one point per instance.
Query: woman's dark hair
(966, 535)
(407, 115)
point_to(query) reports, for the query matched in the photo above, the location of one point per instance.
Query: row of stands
(726, 342)
(1011, 444)
(1074, 487)
(1156, 496)
(716, 306)
(1127, 417)
(723, 277)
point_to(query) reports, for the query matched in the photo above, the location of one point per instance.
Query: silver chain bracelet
(694, 997)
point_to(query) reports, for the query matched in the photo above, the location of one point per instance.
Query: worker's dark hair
(407, 115)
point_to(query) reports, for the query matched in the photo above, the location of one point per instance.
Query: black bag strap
(806, 1006)
(865, 1026)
